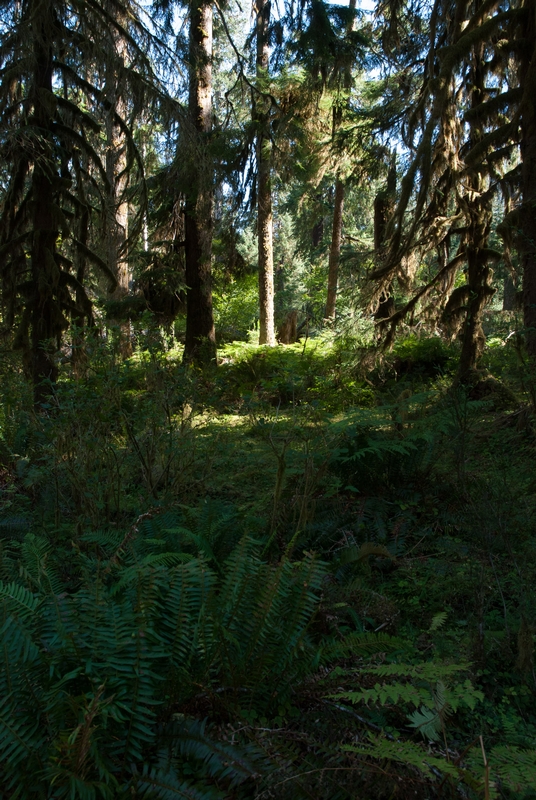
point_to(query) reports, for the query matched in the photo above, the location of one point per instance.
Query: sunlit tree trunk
(200, 345)
(336, 233)
(528, 173)
(264, 184)
(116, 173)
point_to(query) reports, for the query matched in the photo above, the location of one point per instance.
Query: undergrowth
(279, 578)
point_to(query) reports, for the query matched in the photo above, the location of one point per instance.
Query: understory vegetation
(290, 575)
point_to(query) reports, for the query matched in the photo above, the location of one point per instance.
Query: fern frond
(514, 767)
(361, 644)
(427, 722)
(36, 554)
(389, 693)
(190, 587)
(21, 601)
(220, 759)
(407, 753)
(164, 784)
(166, 559)
(21, 737)
(438, 620)
(107, 540)
(426, 670)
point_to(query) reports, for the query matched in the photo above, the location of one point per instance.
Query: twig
(486, 769)
(130, 535)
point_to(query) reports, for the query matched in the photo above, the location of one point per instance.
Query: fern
(14, 525)
(438, 620)
(407, 753)
(91, 680)
(361, 644)
(166, 559)
(393, 693)
(511, 767)
(415, 693)
(19, 600)
(430, 722)
(21, 736)
(18, 611)
(164, 784)
(219, 759)
(35, 557)
(210, 529)
(428, 670)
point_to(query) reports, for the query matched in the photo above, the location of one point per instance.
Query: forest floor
(417, 499)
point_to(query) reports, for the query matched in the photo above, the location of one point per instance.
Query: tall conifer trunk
(117, 224)
(200, 346)
(335, 251)
(479, 215)
(336, 232)
(83, 313)
(47, 321)
(383, 209)
(528, 172)
(264, 184)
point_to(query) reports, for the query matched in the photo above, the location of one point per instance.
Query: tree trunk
(528, 173)
(44, 311)
(478, 279)
(47, 321)
(336, 234)
(479, 216)
(200, 345)
(264, 184)
(117, 223)
(335, 251)
(82, 315)
(317, 233)
(383, 209)
(509, 294)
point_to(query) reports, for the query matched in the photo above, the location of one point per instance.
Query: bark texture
(510, 302)
(477, 206)
(117, 175)
(528, 173)
(200, 345)
(336, 234)
(47, 321)
(335, 251)
(383, 209)
(83, 314)
(264, 185)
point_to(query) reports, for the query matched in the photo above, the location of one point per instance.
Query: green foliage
(406, 753)
(513, 769)
(371, 461)
(309, 372)
(86, 675)
(422, 356)
(236, 309)
(219, 584)
(426, 689)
